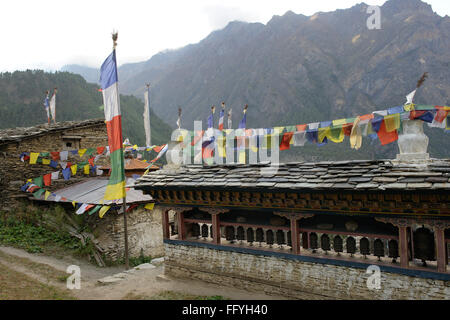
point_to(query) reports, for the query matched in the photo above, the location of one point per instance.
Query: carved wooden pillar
(181, 226)
(439, 227)
(295, 235)
(180, 220)
(165, 224)
(402, 224)
(403, 246)
(215, 222)
(215, 228)
(441, 247)
(294, 218)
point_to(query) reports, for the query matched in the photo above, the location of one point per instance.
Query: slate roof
(330, 175)
(18, 134)
(92, 191)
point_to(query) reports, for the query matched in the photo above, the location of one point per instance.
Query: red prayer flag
(158, 148)
(100, 150)
(55, 155)
(91, 161)
(366, 117)
(285, 141)
(197, 138)
(441, 114)
(47, 179)
(301, 127)
(386, 137)
(347, 129)
(69, 164)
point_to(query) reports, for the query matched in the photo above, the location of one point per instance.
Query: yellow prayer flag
(339, 122)
(45, 161)
(149, 206)
(278, 130)
(392, 122)
(30, 180)
(86, 169)
(103, 210)
(336, 134)
(33, 157)
(409, 107)
(242, 156)
(73, 203)
(73, 168)
(47, 194)
(81, 152)
(322, 133)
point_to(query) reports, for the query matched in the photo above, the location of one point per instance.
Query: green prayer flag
(38, 193)
(95, 209)
(39, 181)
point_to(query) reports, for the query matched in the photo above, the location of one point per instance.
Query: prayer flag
(103, 210)
(221, 116)
(147, 116)
(73, 168)
(285, 141)
(385, 136)
(55, 175)
(66, 173)
(33, 157)
(109, 84)
(63, 155)
(149, 206)
(47, 179)
(53, 105)
(392, 122)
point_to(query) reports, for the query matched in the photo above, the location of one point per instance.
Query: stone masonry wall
(144, 233)
(296, 279)
(14, 173)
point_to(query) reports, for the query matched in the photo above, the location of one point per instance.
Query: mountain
(22, 94)
(298, 69)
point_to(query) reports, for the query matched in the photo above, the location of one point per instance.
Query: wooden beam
(403, 245)
(165, 224)
(441, 247)
(181, 226)
(215, 228)
(295, 236)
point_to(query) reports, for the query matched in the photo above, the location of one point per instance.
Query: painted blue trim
(343, 263)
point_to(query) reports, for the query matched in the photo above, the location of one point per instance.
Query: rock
(162, 277)
(157, 261)
(145, 266)
(109, 280)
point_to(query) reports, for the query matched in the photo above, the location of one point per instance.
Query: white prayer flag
(55, 175)
(147, 117)
(63, 155)
(410, 97)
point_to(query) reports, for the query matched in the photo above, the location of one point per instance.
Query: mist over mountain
(298, 69)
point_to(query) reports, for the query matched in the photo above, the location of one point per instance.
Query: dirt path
(136, 284)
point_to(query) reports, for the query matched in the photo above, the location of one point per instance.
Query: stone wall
(14, 173)
(292, 278)
(144, 233)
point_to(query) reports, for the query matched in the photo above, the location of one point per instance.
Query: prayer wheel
(269, 237)
(195, 230)
(378, 248)
(240, 233)
(229, 233)
(250, 236)
(364, 246)
(205, 231)
(337, 244)
(325, 243)
(393, 250)
(313, 241)
(280, 237)
(351, 245)
(424, 245)
(259, 235)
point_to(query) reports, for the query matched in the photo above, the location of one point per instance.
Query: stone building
(144, 226)
(314, 230)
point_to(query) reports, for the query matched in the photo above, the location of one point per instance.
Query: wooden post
(403, 245)
(215, 228)
(165, 224)
(305, 237)
(295, 236)
(441, 249)
(181, 226)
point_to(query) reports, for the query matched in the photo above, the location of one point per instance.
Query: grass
(18, 286)
(170, 295)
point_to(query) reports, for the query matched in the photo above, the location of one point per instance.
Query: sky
(48, 34)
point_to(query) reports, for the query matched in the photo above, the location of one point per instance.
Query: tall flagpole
(124, 204)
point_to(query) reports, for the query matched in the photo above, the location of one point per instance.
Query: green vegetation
(171, 295)
(22, 95)
(41, 231)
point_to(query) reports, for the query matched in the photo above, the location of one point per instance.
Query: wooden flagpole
(124, 200)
